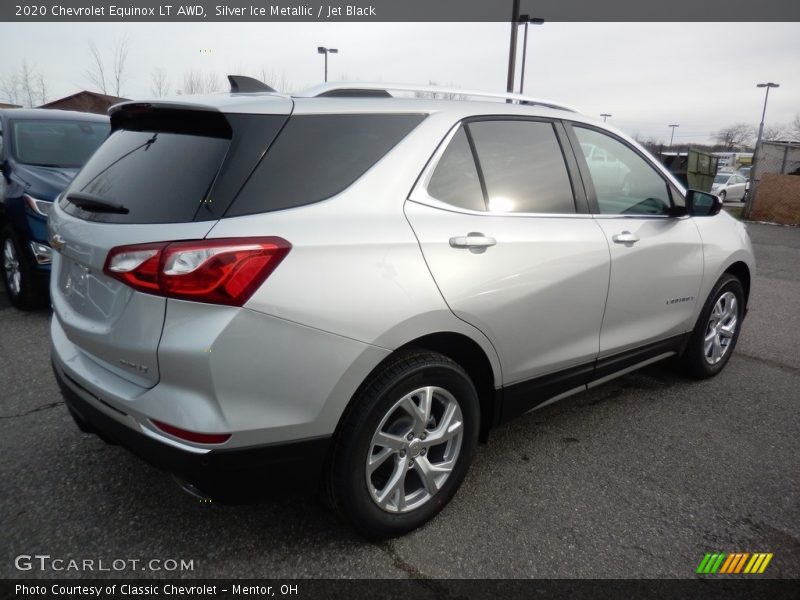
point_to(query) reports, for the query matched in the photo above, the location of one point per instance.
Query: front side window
(625, 183)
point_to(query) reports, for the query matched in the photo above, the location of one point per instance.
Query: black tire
(694, 358)
(347, 490)
(722, 195)
(32, 292)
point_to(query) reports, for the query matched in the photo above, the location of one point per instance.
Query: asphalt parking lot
(637, 478)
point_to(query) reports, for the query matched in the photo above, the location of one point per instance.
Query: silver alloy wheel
(414, 449)
(11, 266)
(721, 328)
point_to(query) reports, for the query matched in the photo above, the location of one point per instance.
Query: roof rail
(375, 89)
(241, 84)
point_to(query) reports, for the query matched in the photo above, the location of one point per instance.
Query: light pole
(512, 49)
(326, 51)
(527, 21)
(748, 201)
(605, 116)
(672, 135)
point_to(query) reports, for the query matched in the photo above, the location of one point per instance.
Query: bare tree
(27, 80)
(9, 86)
(109, 78)
(25, 85)
(776, 133)
(275, 80)
(734, 136)
(197, 82)
(42, 88)
(96, 73)
(211, 83)
(120, 60)
(158, 83)
(796, 127)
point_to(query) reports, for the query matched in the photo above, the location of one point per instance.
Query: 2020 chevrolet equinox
(352, 287)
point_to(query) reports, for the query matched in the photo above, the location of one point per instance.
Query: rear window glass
(159, 177)
(55, 143)
(317, 156)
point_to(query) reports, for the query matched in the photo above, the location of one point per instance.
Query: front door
(656, 258)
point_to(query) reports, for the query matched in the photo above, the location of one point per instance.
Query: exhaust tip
(192, 489)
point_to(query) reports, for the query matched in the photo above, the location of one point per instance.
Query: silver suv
(352, 288)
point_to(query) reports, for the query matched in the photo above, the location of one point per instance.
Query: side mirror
(702, 204)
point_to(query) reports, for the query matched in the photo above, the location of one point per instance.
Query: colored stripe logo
(734, 563)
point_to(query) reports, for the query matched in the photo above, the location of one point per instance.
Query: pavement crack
(769, 362)
(437, 587)
(401, 563)
(33, 410)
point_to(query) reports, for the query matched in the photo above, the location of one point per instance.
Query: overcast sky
(647, 75)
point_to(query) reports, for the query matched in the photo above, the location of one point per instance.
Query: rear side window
(317, 156)
(455, 179)
(159, 177)
(523, 167)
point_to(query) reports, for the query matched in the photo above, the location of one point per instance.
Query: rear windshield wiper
(94, 203)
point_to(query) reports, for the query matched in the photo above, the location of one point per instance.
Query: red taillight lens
(192, 436)
(223, 271)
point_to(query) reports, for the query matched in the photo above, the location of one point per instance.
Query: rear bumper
(224, 474)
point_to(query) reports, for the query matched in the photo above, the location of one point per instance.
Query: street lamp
(748, 201)
(326, 51)
(532, 21)
(512, 48)
(605, 116)
(672, 135)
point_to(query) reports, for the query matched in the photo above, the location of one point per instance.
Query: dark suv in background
(40, 152)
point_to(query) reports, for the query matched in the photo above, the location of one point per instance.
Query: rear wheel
(21, 280)
(405, 446)
(717, 329)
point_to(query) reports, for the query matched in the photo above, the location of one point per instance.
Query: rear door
(496, 217)
(171, 175)
(656, 258)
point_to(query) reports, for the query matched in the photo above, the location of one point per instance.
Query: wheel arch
(463, 350)
(741, 271)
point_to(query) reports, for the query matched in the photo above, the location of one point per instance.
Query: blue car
(40, 152)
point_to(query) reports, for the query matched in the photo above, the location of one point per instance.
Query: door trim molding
(521, 397)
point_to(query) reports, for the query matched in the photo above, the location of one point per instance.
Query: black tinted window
(455, 179)
(523, 167)
(159, 177)
(317, 156)
(625, 183)
(55, 143)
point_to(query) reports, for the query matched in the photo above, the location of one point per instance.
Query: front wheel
(723, 195)
(405, 445)
(22, 282)
(717, 329)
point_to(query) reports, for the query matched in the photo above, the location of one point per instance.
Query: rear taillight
(221, 271)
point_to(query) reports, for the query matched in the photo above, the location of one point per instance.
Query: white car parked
(729, 186)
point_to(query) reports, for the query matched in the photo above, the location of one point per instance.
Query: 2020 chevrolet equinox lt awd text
(356, 286)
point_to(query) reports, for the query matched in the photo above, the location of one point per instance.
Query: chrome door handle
(476, 242)
(626, 237)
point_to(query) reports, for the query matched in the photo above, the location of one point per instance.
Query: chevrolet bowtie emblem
(57, 242)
